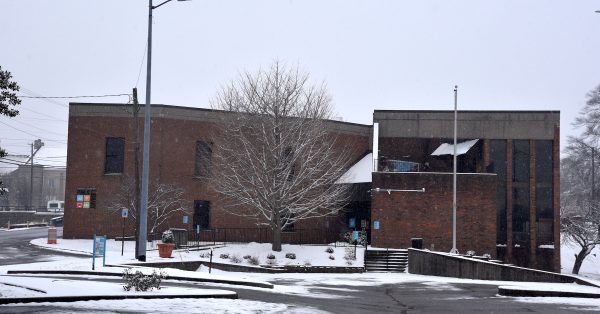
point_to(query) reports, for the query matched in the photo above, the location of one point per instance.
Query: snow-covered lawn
(590, 268)
(314, 255)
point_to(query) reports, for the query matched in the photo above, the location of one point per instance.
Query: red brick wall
(406, 215)
(172, 160)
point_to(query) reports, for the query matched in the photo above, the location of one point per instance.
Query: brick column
(556, 196)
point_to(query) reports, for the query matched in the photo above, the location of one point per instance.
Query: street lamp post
(143, 216)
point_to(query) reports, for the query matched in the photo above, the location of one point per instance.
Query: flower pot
(165, 249)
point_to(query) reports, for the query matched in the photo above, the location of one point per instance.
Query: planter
(165, 249)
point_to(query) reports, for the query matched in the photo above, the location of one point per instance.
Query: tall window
(203, 158)
(544, 204)
(520, 221)
(498, 166)
(115, 155)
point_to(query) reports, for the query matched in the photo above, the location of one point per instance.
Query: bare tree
(274, 158)
(579, 218)
(164, 201)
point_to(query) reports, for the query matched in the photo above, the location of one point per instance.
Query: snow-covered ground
(299, 283)
(590, 268)
(314, 255)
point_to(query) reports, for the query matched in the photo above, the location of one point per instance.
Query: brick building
(101, 157)
(508, 181)
(507, 186)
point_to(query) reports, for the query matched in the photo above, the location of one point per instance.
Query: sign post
(124, 215)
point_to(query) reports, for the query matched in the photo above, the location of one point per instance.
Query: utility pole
(136, 163)
(37, 144)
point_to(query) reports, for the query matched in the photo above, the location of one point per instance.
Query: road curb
(3, 301)
(92, 273)
(517, 292)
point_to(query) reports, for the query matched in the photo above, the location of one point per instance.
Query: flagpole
(454, 249)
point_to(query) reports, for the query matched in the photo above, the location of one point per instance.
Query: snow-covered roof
(448, 149)
(360, 172)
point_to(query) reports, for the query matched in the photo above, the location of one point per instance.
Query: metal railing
(391, 165)
(223, 236)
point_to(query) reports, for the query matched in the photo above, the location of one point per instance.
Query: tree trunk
(579, 260)
(276, 246)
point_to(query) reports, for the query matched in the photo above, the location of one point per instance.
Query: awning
(448, 149)
(360, 172)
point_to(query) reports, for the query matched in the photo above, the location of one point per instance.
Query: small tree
(275, 158)
(164, 201)
(8, 100)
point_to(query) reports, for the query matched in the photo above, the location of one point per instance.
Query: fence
(222, 236)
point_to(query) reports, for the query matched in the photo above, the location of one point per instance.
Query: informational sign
(197, 228)
(99, 249)
(124, 212)
(186, 219)
(352, 223)
(376, 225)
(354, 235)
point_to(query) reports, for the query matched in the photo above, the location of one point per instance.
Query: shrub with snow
(272, 262)
(141, 282)
(307, 263)
(329, 250)
(470, 253)
(235, 259)
(253, 260)
(290, 255)
(224, 255)
(246, 256)
(168, 237)
(270, 256)
(331, 257)
(350, 255)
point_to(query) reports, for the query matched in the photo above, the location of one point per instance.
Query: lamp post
(143, 216)
(454, 249)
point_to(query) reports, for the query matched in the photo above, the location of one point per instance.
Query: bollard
(51, 235)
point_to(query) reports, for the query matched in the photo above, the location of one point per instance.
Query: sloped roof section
(360, 172)
(448, 149)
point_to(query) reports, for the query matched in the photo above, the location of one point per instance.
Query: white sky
(504, 55)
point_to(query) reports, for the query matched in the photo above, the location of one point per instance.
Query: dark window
(201, 214)
(543, 176)
(290, 167)
(520, 214)
(115, 155)
(498, 166)
(203, 159)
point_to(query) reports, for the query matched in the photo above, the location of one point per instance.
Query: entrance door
(201, 214)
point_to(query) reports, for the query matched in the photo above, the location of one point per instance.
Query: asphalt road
(413, 297)
(15, 248)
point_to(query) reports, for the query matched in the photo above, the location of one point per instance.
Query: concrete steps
(378, 260)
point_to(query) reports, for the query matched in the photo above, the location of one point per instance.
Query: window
(520, 211)
(203, 158)
(115, 155)
(543, 176)
(201, 214)
(498, 166)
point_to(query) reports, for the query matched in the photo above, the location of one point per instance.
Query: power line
(12, 127)
(72, 97)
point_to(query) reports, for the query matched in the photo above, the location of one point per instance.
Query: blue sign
(98, 249)
(352, 223)
(354, 235)
(197, 228)
(124, 213)
(376, 224)
(186, 219)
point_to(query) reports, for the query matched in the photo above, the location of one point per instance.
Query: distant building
(508, 178)
(48, 185)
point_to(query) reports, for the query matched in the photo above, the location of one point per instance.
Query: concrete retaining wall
(23, 217)
(441, 264)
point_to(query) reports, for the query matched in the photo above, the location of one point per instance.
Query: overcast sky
(503, 55)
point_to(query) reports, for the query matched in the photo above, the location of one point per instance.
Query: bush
(224, 255)
(331, 257)
(470, 253)
(329, 250)
(247, 256)
(290, 255)
(235, 259)
(272, 262)
(307, 263)
(487, 255)
(270, 256)
(253, 260)
(350, 254)
(141, 282)
(168, 237)
(205, 255)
